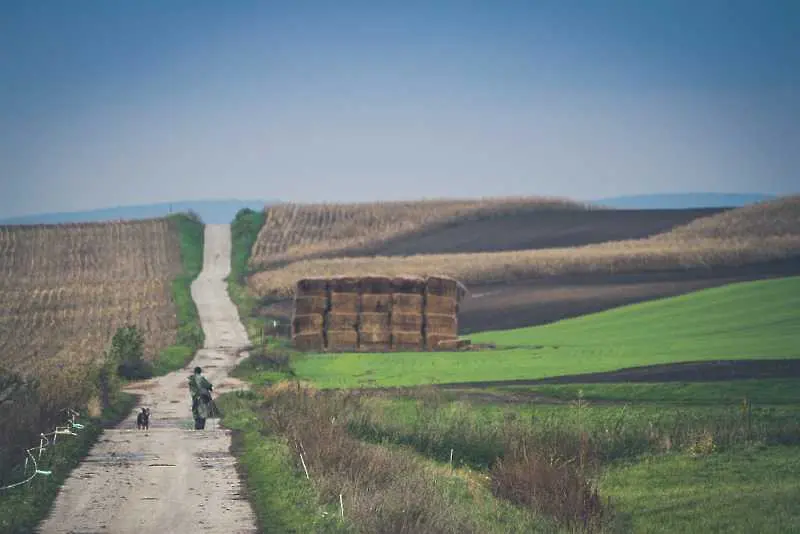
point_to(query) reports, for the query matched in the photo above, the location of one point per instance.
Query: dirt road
(170, 478)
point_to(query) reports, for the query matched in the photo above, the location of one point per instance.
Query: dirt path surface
(170, 478)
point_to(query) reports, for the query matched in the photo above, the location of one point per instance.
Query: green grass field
(753, 320)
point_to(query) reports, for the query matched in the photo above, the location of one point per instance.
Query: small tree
(127, 350)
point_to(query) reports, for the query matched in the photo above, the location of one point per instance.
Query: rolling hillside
(294, 232)
(527, 287)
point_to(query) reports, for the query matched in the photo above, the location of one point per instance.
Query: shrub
(127, 350)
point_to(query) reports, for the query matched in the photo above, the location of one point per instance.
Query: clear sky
(125, 102)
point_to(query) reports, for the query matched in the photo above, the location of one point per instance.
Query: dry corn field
(718, 240)
(65, 289)
(294, 232)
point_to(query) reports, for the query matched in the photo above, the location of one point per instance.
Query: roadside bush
(127, 349)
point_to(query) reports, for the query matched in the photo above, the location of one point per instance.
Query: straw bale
(311, 322)
(373, 321)
(409, 285)
(376, 303)
(375, 285)
(311, 287)
(344, 284)
(406, 340)
(311, 341)
(441, 324)
(407, 303)
(313, 304)
(407, 322)
(345, 303)
(375, 336)
(445, 287)
(441, 305)
(342, 321)
(342, 340)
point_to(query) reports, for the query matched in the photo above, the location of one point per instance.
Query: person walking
(200, 389)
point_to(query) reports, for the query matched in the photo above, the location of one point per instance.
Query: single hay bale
(408, 285)
(311, 287)
(407, 322)
(441, 305)
(312, 341)
(406, 340)
(440, 341)
(407, 303)
(308, 305)
(376, 303)
(345, 303)
(441, 324)
(308, 323)
(375, 336)
(375, 285)
(344, 284)
(342, 340)
(443, 287)
(373, 321)
(342, 321)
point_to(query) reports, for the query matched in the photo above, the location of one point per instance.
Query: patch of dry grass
(294, 232)
(717, 240)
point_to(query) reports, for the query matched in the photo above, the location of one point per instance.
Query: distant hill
(211, 211)
(683, 200)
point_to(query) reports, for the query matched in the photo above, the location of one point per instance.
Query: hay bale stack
(377, 313)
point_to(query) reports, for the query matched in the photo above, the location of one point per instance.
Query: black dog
(143, 419)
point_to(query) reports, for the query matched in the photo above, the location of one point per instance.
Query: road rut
(170, 478)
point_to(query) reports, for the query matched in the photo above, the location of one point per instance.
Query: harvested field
(293, 232)
(66, 288)
(664, 252)
(534, 230)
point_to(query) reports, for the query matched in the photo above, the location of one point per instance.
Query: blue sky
(108, 103)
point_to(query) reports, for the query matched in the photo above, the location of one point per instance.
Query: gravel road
(170, 479)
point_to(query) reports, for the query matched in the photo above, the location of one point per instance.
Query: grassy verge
(282, 498)
(25, 506)
(244, 232)
(190, 336)
(383, 488)
(754, 320)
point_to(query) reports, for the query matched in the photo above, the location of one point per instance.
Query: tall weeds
(383, 490)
